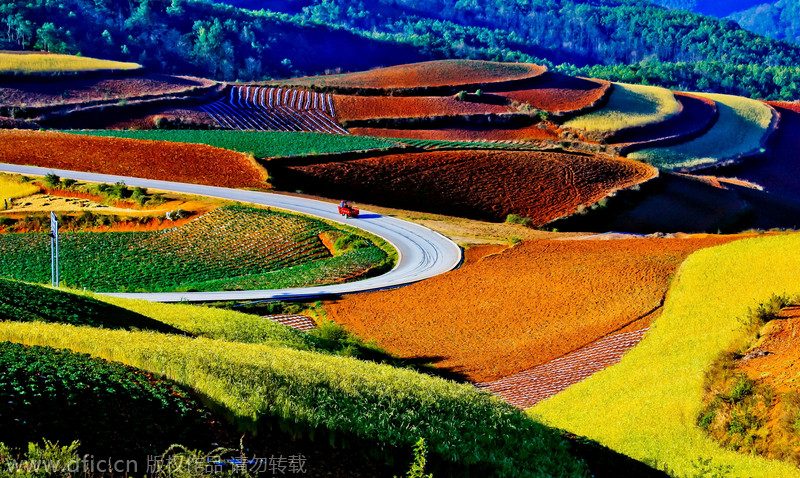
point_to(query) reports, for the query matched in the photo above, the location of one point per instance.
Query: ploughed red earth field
(89, 89)
(350, 107)
(426, 74)
(190, 163)
(479, 184)
(510, 309)
(560, 93)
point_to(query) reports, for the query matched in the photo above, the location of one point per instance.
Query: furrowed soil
(349, 107)
(560, 93)
(81, 90)
(510, 309)
(474, 184)
(525, 133)
(427, 74)
(191, 163)
(779, 170)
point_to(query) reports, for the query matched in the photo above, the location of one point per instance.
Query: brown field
(779, 170)
(66, 91)
(351, 107)
(148, 119)
(166, 161)
(507, 310)
(427, 74)
(560, 93)
(525, 133)
(475, 184)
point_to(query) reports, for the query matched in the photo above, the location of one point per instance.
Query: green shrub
(515, 219)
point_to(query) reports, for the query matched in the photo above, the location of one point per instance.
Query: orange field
(80, 90)
(426, 74)
(560, 93)
(477, 184)
(166, 161)
(508, 310)
(525, 133)
(350, 107)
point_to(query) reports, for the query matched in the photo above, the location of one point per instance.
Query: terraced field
(170, 162)
(262, 144)
(431, 74)
(742, 129)
(350, 107)
(525, 133)
(560, 93)
(275, 109)
(231, 247)
(476, 184)
(629, 106)
(702, 317)
(514, 309)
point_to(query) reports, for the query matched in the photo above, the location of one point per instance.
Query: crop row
(263, 144)
(227, 243)
(275, 109)
(432, 144)
(382, 407)
(109, 407)
(53, 64)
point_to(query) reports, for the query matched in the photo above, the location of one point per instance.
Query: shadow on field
(604, 462)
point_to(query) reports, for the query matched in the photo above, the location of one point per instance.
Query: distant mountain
(780, 19)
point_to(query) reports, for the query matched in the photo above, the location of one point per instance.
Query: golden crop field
(629, 106)
(647, 406)
(41, 63)
(12, 189)
(741, 128)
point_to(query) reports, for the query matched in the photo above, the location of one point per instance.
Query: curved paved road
(423, 253)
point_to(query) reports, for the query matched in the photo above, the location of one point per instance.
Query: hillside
(301, 38)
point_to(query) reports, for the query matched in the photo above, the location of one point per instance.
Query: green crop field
(262, 144)
(382, 407)
(112, 407)
(629, 106)
(229, 248)
(56, 64)
(469, 145)
(647, 406)
(741, 128)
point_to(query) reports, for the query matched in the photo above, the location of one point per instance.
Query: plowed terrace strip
(560, 93)
(427, 74)
(526, 389)
(479, 184)
(191, 163)
(299, 322)
(350, 107)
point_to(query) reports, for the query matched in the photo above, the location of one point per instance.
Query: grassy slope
(629, 106)
(742, 125)
(38, 64)
(262, 144)
(646, 407)
(378, 403)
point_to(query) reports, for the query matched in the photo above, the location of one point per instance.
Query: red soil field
(427, 74)
(148, 120)
(780, 367)
(525, 133)
(476, 184)
(560, 93)
(779, 171)
(696, 115)
(508, 311)
(350, 107)
(166, 161)
(81, 90)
